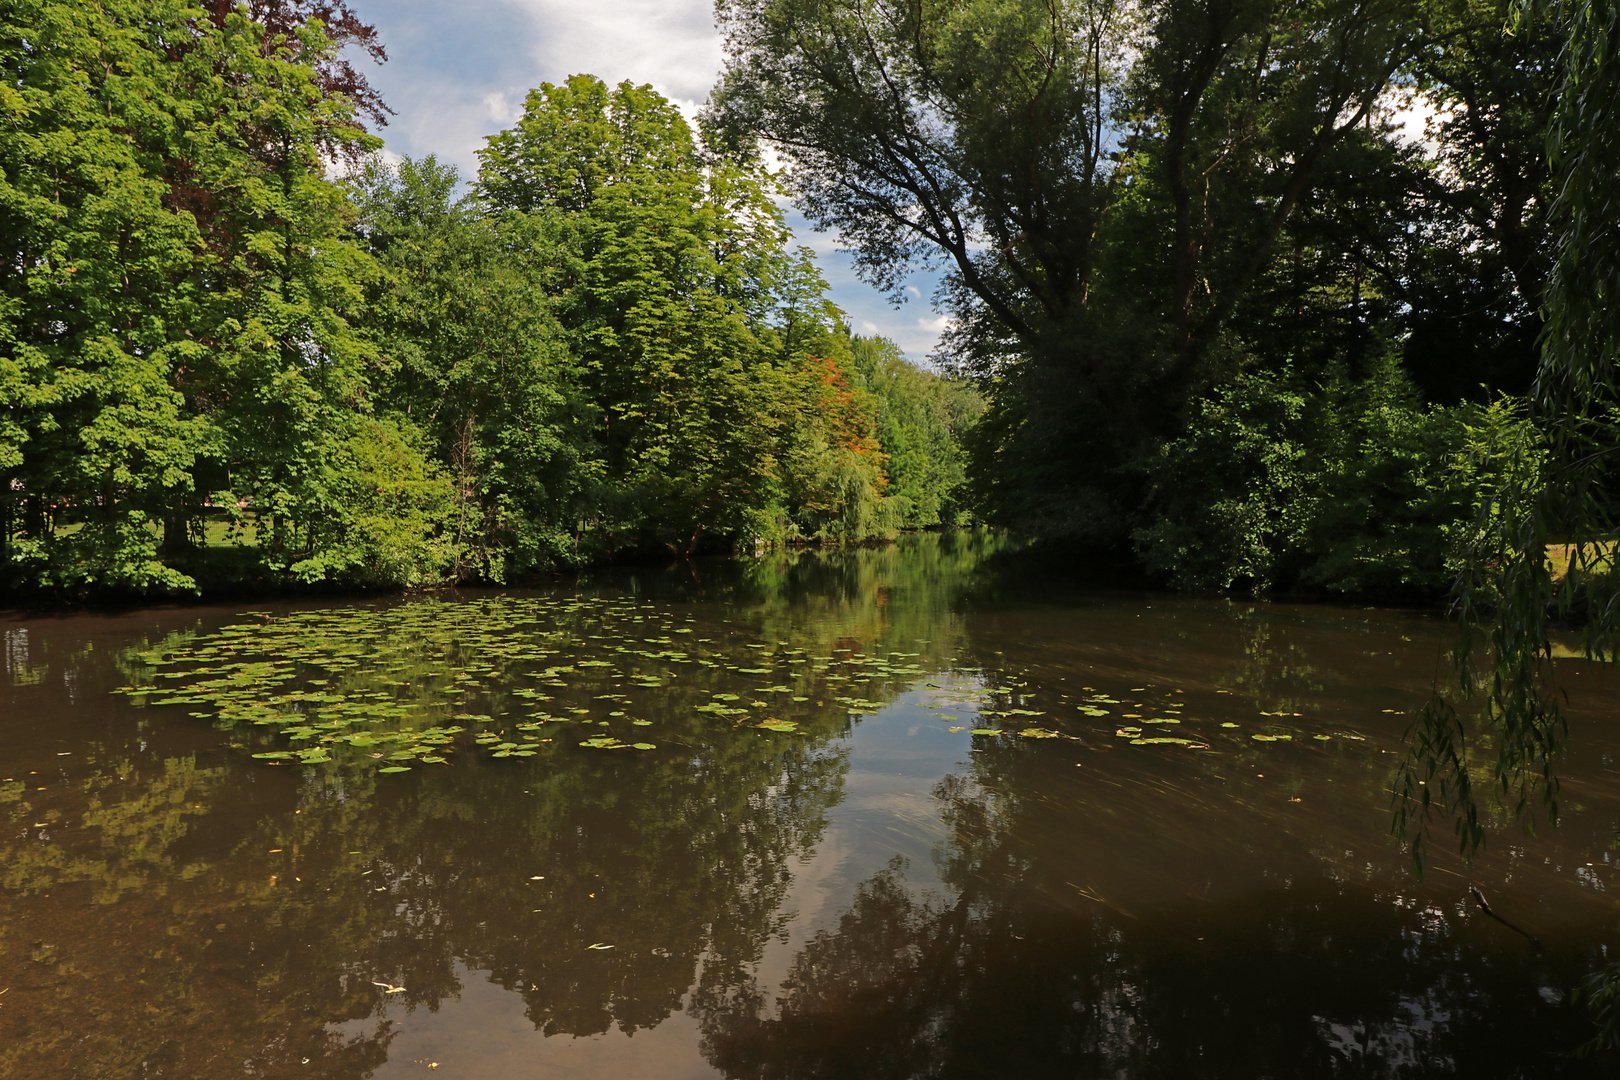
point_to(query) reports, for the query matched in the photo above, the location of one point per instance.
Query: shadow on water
(903, 818)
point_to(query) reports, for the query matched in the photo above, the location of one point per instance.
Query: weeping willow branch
(1543, 549)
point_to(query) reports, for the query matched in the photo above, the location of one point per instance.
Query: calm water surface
(813, 866)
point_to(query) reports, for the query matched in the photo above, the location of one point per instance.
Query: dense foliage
(222, 361)
(1227, 317)
(1215, 313)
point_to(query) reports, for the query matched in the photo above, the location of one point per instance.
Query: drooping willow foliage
(1543, 551)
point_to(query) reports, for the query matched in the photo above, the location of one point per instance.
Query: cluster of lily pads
(986, 703)
(410, 684)
(1173, 713)
(406, 684)
(1156, 721)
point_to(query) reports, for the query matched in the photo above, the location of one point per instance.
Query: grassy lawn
(1560, 555)
(216, 531)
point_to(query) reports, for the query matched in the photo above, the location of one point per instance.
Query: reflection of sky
(484, 1032)
(458, 72)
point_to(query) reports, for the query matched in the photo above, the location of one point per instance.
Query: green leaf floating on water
(1038, 733)
(386, 687)
(985, 731)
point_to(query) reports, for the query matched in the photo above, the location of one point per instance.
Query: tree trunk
(177, 534)
(34, 517)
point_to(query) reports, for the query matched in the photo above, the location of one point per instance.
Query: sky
(459, 70)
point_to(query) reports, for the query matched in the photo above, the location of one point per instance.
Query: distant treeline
(239, 348)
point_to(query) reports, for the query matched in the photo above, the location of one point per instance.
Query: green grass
(1561, 555)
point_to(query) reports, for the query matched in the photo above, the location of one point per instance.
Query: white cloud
(822, 243)
(500, 108)
(671, 44)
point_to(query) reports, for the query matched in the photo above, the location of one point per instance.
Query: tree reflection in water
(170, 908)
(246, 959)
(179, 911)
(1015, 978)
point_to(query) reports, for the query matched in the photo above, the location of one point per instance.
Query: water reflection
(1276, 985)
(1020, 963)
(887, 894)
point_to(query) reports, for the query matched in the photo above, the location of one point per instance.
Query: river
(903, 811)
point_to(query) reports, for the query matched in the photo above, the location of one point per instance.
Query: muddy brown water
(818, 870)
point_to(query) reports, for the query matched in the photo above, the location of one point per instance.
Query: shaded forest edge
(1225, 328)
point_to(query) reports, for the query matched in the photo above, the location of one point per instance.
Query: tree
(464, 310)
(701, 340)
(179, 297)
(1557, 483)
(1087, 172)
(334, 72)
(921, 419)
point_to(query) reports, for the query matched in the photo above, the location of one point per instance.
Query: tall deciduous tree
(1103, 182)
(478, 362)
(179, 293)
(1558, 479)
(691, 319)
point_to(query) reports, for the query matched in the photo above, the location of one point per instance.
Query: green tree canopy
(1103, 183)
